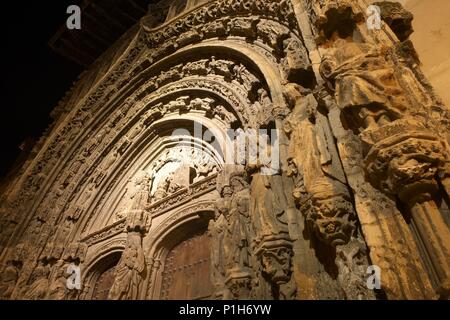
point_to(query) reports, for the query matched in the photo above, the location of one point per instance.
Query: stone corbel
(336, 16)
(331, 217)
(238, 281)
(275, 254)
(325, 202)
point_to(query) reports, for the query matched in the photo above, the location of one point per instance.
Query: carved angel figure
(162, 189)
(204, 169)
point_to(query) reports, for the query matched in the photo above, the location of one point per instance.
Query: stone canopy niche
(138, 183)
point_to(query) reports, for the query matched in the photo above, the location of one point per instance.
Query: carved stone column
(404, 161)
(370, 93)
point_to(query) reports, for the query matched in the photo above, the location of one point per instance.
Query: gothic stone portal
(140, 158)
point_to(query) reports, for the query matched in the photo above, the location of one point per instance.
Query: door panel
(104, 284)
(186, 274)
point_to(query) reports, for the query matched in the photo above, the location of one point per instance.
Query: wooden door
(186, 274)
(104, 284)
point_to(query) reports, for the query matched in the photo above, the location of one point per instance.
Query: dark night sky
(34, 78)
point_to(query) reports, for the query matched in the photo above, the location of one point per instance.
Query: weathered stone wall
(431, 38)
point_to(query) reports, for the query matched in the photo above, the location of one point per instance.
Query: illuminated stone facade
(362, 140)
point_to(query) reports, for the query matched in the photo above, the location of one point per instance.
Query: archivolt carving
(155, 209)
(99, 96)
(110, 160)
(121, 147)
(117, 244)
(215, 19)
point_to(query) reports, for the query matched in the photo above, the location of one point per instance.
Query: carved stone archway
(353, 163)
(99, 265)
(105, 279)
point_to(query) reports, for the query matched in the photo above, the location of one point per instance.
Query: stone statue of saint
(128, 274)
(321, 180)
(364, 83)
(216, 231)
(143, 185)
(58, 286)
(268, 205)
(239, 228)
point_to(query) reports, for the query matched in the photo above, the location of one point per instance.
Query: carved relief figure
(162, 189)
(293, 233)
(330, 213)
(364, 83)
(224, 114)
(58, 287)
(204, 169)
(216, 230)
(142, 188)
(239, 228)
(38, 283)
(237, 240)
(268, 205)
(273, 244)
(128, 274)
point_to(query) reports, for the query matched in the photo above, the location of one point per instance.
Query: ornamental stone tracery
(363, 148)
